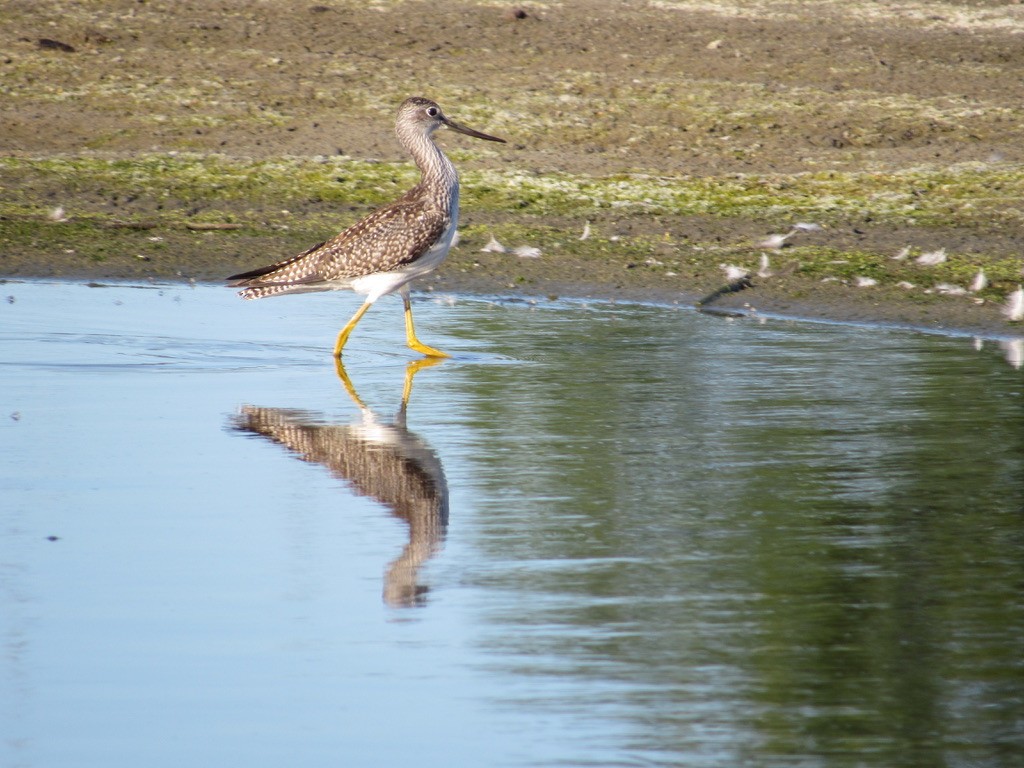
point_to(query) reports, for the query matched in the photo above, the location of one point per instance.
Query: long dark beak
(469, 131)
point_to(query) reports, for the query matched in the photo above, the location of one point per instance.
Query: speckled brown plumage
(392, 239)
(385, 241)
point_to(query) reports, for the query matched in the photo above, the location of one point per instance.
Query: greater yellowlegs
(392, 246)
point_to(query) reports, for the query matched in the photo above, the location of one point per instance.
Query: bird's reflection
(383, 460)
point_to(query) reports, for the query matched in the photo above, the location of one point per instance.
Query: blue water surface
(601, 534)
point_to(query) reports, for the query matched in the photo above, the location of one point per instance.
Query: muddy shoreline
(815, 303)
(917, 104)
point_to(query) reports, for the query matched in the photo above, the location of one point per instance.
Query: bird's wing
(385, 240)
(389, 237)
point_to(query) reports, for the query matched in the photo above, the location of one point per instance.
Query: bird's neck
(436, 169)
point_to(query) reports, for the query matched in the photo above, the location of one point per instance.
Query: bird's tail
(289, 276)
(261, 292)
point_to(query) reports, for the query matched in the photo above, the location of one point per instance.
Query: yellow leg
(411, 369)
(414, 367)
(410, 333)
(343, 336)
(339, 368)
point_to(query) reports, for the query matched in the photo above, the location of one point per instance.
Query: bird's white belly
(382, 283)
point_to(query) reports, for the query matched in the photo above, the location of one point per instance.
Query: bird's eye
(433, 111)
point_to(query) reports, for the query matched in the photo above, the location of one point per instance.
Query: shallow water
(601, 535)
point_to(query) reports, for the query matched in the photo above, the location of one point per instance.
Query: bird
(392, 246)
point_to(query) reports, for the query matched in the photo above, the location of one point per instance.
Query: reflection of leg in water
(414, 367)
(411, 369)
(398, 469)
(380, 460)
(339, 368)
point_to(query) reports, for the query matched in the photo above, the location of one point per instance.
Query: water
(600, 536)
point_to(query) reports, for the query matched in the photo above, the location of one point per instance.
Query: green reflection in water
(758, 543)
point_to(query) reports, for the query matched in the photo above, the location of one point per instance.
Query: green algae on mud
(204, 216)
(169, 190)
(965, 195)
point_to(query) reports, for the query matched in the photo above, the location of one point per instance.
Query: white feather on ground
(774, 241)
(493, 246)
(732, 272)
(980, 282)
(932, 258)
(527, 252)
(1014, 309)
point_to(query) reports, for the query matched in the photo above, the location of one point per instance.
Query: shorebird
(391, 247)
